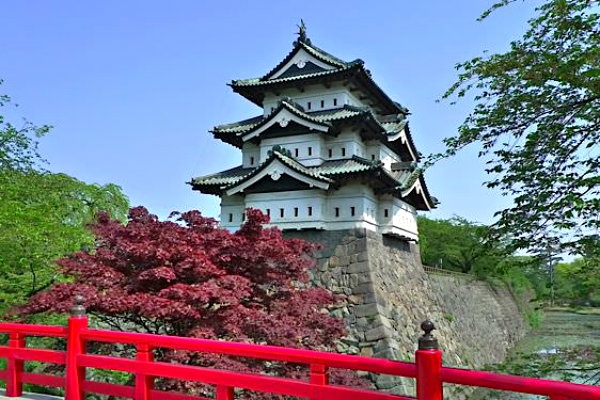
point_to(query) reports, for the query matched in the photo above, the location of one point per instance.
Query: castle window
(281, 212)
(295, 152)
(308, 105)
(343, 151)
(373, 157)
(335, 101)
(295, 211)
(330, 152)
(310, 151)
(386, 213)
(322, 103)
(243, 216)
(309, 211)
(268, 211)
(251, 160)
(353, 211)
(230, 219)
(337, 211)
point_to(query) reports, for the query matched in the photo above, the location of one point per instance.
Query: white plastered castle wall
(352, 206)
(320, 99)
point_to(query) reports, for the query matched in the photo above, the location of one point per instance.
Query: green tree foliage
(43, 215)
(460, 245)
(578, 282)
(537, 122)
(18, 145)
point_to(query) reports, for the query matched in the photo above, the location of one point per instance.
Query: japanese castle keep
(331, 151)
(331, 160)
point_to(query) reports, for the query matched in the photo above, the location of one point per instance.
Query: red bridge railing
(427, 369)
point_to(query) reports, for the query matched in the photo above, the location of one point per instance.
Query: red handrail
(427, 369)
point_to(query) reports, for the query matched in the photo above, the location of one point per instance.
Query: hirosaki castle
(330, 151)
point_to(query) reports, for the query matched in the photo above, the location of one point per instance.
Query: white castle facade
(330, 151)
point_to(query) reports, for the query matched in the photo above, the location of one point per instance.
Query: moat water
(558, 334)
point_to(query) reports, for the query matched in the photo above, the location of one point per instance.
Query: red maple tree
(188, 277)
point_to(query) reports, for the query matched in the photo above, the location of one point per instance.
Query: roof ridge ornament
(302, 38)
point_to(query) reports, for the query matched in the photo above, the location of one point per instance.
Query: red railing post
(14, 367)
(319, 375)
(429, 365)
(75, 375)
(144, 383)
(224, 392)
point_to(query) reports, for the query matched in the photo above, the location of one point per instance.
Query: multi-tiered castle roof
(330, 151)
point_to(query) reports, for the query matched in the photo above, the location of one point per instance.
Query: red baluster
(144, 383)
(429, 366)
(14, 367)
(224, 393)
(319, 375)
(75, 375)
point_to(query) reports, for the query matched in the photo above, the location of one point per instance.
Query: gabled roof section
(236, 132)
(406, 184)
(414, 190)
(277, 165)
(307, 64)
(393, 131)
(304, 54)
(287, 111)
(399, 138)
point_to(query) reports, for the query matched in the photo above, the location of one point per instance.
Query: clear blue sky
(133, 87)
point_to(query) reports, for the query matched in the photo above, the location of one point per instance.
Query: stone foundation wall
(388, 294)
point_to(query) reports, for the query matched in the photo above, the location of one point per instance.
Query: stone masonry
(387, 294)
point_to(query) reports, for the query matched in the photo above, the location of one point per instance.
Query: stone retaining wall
(388, 294)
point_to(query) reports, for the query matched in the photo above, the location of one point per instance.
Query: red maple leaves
(188, 277)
